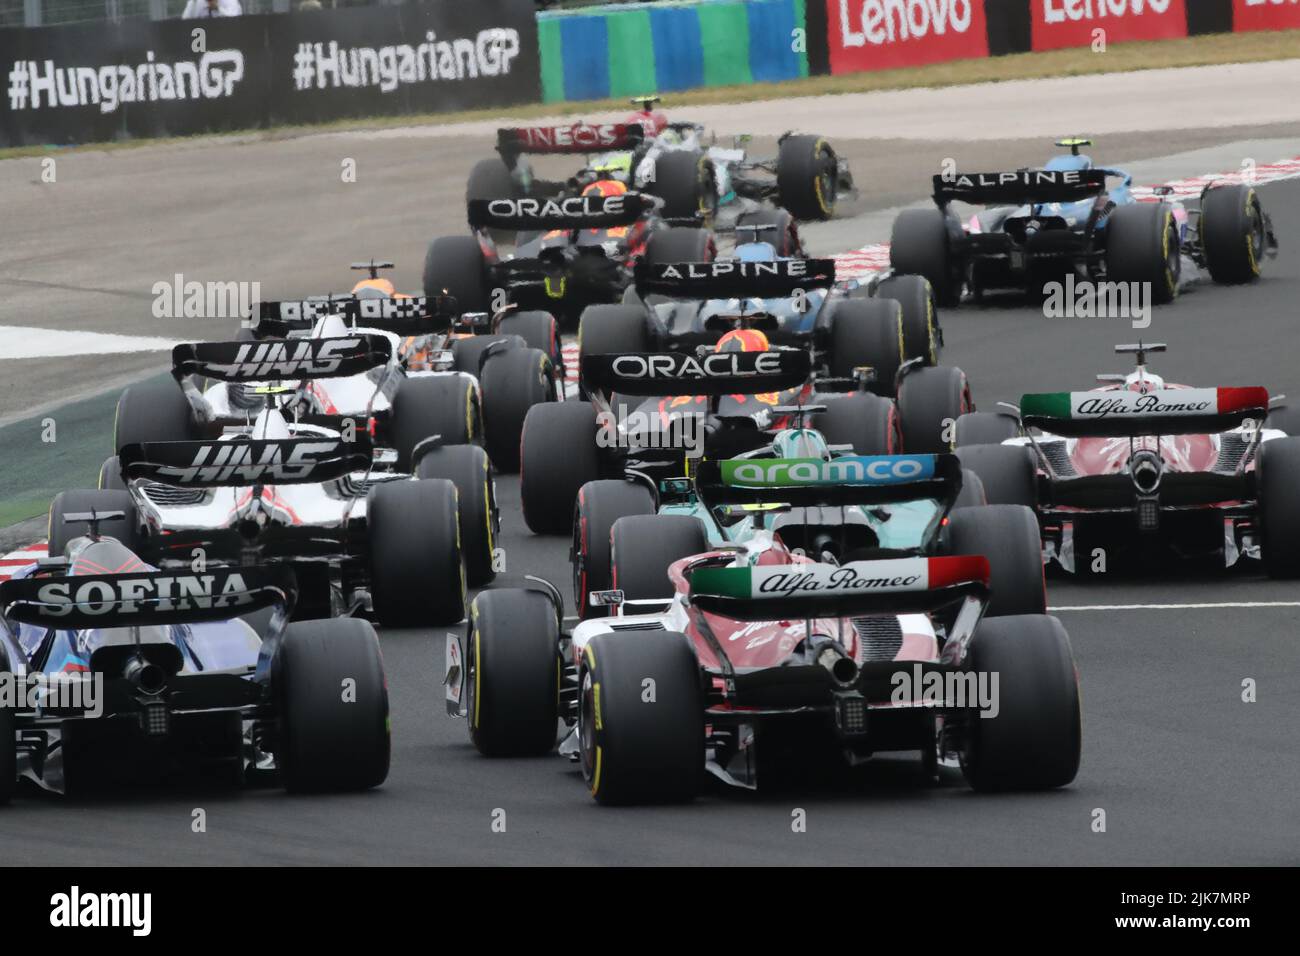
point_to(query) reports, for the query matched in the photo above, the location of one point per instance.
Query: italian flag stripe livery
(1123, 403)
(858, 577)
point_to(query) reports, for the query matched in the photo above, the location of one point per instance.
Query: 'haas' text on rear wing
(238, 463)
(282, 359)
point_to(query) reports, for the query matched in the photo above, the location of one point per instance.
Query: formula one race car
(745, 660)
(1066, 218)
(655, 409)
(1139, 471)
(890, 326)
(277, 491)
(131, 673)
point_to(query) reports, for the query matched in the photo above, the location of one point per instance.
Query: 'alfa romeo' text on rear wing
(717, 373)
(1162, 411)
(239, 463)
(1019, 187)
(733, 279)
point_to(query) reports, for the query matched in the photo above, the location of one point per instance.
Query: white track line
(1171, 607)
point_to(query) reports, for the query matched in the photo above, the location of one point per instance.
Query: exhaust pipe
(844, 670)
(147, 677)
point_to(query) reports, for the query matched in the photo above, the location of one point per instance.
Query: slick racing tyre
(919, 245)
(1277, 475)
(1007, 472)
(468, 468)
(469, 352)
(641, 718)
(869, 423)
(972, 491)
(1232, 233)
(491, 179)
(679, 244)
(867, 333)
(514, 382)
(538, 329)
(1285, 419)
(1035, 739)
(807, 177)
(8, 741)
(1008, 536)
(930, 400)
(110, 475)
(985, 428)
(776, 227)
(456, 264)
(1142, 246)
(600, 505)
(153, 411)
(513, 673)
(642, 547)
(920, 315)
(558, 455)
(417, 573)
(442, 405)
(59, 532)
(328, 683)
(688, 184)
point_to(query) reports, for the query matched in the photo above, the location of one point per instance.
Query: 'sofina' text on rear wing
(1024, 186)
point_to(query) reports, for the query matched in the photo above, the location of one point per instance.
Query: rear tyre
(642, 547)
(59, 532)
(600, 504)
(1142, 246)
(919, 245)
(417, 574)
(972, 491)
(930, 400)
(110, 475)
(1035, 740)
(153, 411)
(457, 265)
(867, 422)
(1007, 471)
(609, 329)
(985, 428)
(1277, 475)
(781, 232)
(920, 315)
(467, 467)
(328, 680)
(1232, 233)
(491, 179)
(442, 405)
(558, 455)
(538, 329)
(513, 675)
(688, 185)
(807, 177)
(679, 244)
(513, 382)
(636, 750)
(1008, 536)
(1285, 419)
(867, 332)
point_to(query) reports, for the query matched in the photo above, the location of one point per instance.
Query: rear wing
(810, 590)
(733, 279)
(568, 212)
(862, 480)
(1161, 411)
(675, 373)
(579, 138)
(146, 598)
(282, 359)
(413, 315)
(239, 463)
(1025, 186)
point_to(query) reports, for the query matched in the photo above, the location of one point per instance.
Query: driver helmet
(743, 340)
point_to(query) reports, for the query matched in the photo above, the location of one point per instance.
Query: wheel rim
(587, 728)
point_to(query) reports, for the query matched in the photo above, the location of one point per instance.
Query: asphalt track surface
(1185, 771)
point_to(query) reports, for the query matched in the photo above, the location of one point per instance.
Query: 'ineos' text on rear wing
(733, 279)
(239, 463)
(1162, 411)
(1020, 187)
(569, 212)
(578, 138)
(270, 360)
(156, 598)
(717, 373)
(811, 590)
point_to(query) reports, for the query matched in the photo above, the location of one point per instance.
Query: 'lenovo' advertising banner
(1265, 15)
(884, 34)
(1068, 23)
(138, 78)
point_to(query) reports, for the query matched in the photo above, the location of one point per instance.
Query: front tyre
(807, 177)
(1232, 233)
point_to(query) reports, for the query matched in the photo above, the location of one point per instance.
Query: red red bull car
(1139, 471)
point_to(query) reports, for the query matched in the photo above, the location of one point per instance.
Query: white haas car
(742, 660)
(278, 491)
(347, 381)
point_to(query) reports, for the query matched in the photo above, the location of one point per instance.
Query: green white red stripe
(1158, 402)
